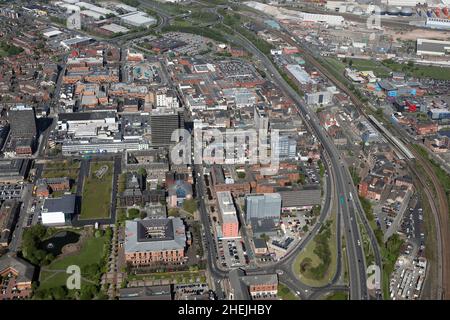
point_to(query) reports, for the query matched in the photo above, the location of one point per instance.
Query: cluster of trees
(31, 246)
(9, 49)
(367, 207)
(197, 235)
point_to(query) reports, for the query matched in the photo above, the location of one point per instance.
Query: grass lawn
(308, 253)
(337, 65)
(359, 64)
(97, 192)
(337, 296)
(419, 71)
(370, 65)
(91, 252)
(284, 293)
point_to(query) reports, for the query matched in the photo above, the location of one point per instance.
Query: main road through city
(343, 181)
(348, 207)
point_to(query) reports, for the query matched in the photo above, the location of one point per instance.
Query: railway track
(442, 215)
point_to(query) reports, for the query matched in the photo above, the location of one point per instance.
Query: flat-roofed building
(23, 130)
(14, 170)
(155, 241)
(16, 276)
(428, 47)
(262, 206)
(242, 286)
(163, 123)
(58, 211)
(8, 219)
(228, 216)
(138, 19)
(299, 199)
(262, 286)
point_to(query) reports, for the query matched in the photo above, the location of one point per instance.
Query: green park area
(284, 293)
(59, 169)
(7, 50)
(419, 71)
(338, 66)
(91, 258)
(316, 264)
(370, 65)
(76, 246)
(90, 253)
(383, 68)
(97, 191)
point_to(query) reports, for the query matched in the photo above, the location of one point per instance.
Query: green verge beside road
(316, 265)
(284, 293)
(390, 250)
(337, 296)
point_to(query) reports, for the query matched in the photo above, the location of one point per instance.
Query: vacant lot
(97, 191)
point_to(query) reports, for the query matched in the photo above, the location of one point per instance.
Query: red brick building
(17, 276)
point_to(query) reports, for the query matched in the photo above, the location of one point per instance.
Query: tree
(265, 237)
(91, 271)
(59, 293)
(133, 213)
(142, 171)
(108, 232)
(88, 291)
